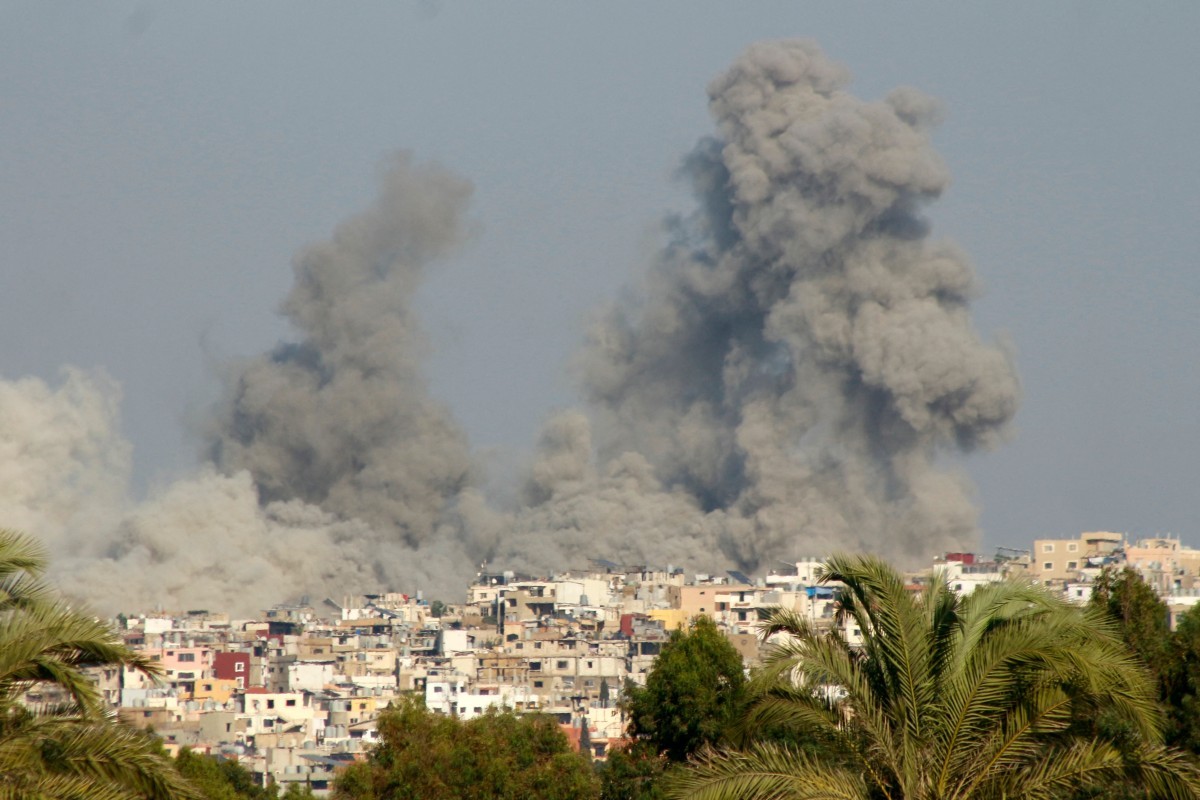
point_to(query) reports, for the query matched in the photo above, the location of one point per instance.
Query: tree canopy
(497, 756)
(692, 696)
(221, 779)
(693, 693)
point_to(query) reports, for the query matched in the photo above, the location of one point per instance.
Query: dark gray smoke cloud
(801, 353)
(789, 379)
(341, 418)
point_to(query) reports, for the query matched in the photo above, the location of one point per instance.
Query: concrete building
(1061, 560)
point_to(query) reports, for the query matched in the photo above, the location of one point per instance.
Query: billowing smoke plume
(788, 380)
(332, 470)
(799, 355)
(342, 418)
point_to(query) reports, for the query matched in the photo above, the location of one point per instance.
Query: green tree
(73, 748)
(947, 698)
(1142, 619)
(634, 772)
(220, 779)
(425, 756)
(693, 693)
(1181, 686)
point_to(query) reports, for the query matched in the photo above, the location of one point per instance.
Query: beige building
(1164, 563)
(710, 599)
(1062, 559)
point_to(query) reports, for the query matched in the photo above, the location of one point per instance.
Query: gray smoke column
(801, 352)
(341, 418)
(792, 378)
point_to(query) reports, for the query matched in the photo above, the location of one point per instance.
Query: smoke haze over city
(792, 366)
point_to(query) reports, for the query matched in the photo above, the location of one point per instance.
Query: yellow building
(671, 618)
(1062, 559)
(219, 690)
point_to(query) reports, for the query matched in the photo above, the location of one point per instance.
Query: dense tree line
(1172, 657)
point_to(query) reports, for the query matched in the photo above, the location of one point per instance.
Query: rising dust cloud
(785, 381)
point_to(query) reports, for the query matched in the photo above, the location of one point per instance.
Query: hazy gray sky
(160, 163)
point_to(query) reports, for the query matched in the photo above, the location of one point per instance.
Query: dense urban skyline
(166, 163)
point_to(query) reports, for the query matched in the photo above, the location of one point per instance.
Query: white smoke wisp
(64, 466)
(792, 377)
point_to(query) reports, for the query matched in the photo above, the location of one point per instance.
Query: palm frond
(766, 772)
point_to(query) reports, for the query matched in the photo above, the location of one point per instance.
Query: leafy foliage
(1182, 695)
(693, 693)
(221, 779)
(1173, 657)
(633, 773)
(1141, 617)
(948, 698)
(425, 756)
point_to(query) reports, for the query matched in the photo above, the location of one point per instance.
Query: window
(537, 684)
(187, 656)
(239, 667)
(1047, 548)
(1072, 565)
(437, 690)
(270, 704)
(561, 665)
(1072, 547)
(291, 703)
(535, 666)
(1048, 566)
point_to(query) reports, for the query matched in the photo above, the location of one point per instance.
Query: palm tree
(74, 748)
(1006, 693)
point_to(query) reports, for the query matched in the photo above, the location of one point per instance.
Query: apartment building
(1062, 560)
